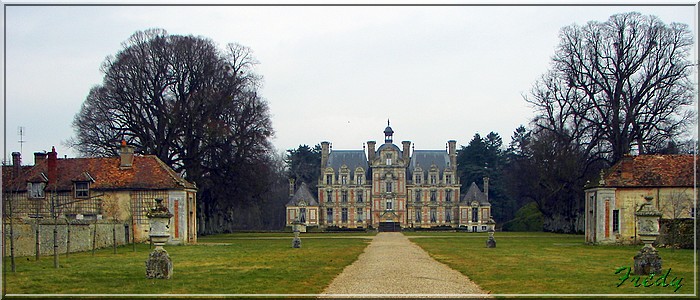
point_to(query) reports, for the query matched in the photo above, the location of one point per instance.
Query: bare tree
(617, 84)
(678, 204)
(191, 104)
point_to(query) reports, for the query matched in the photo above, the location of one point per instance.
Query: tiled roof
(147, 172)
(302, 193)
(652, 171)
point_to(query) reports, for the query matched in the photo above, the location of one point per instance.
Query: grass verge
(240, 266)
(547, 263)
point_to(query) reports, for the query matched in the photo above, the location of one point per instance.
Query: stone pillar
(647, 260)
(159, 264)
(296, 242)
(491, 242)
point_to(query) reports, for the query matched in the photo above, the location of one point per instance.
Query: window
(448, 216)
(389, 204)
(329, 179)
(448, 179)
(433, 196)
(388, 159)
(483, 228)
(344, 179)
(82, 190)
(473, 228)
(359, 215)
(329, 215)
(389, 187)
(418, 196)
(692, 212)
(616, 220)
(329, 196)
(344, 215)
(433, 179)
(358, 178)
(344, 196)
(475, 215)
(418, 216)
(359, 197)
(419, 178)
(433, 215)
(36, 189)
(302, 215)
(448, 196)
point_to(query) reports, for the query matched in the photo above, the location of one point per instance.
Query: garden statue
(159, 264)
(647, 260)
(491, 242)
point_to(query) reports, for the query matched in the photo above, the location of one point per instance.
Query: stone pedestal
(296, 242)
(647, 261)
(491, 243)
(159, 265)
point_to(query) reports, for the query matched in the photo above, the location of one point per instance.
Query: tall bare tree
(617, 84)
(193, 105)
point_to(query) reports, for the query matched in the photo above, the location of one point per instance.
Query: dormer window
(358, 178)
(82, 189)
(388, 159)
(448, 179)
(36, 189)
(344, 179)
(329, 179)
(433, 179)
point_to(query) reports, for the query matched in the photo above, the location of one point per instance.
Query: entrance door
(389, 226)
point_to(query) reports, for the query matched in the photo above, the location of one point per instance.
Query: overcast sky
(330, 73)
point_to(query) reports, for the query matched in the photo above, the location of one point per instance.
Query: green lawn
(265, 263)
(547, 263)
(229, 266)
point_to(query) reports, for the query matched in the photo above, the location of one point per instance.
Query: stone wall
(81, 236)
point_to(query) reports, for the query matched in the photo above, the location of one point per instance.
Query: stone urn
(647, 260)
(159, 264)
(491, 242)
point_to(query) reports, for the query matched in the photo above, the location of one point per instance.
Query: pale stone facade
(612, 202)
(389, 189)
(93, 190)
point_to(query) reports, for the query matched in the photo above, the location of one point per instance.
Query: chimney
(291, 187)
(126, 155)
(370, 150)
(486, 187)
(406, 150)
(325, 152)
(39, 157)
(452, 151)
(52, 166)
(16, 163)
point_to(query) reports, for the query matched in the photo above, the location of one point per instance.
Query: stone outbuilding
(83, 191)
(612, 201)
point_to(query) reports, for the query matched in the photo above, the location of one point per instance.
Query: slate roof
(302, 193)
(147, 173)
(675, 170)
(351, 158)
(474, 193)
(426, 158)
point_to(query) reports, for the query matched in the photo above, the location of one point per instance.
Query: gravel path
(391, 265)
